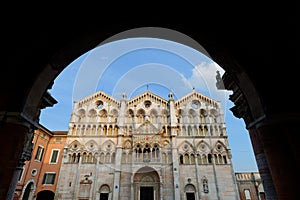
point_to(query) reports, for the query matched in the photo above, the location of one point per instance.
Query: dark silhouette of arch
(45, 195)
(252, 54)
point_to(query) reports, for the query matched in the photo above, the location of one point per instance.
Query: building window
(39, 153)
(209, 157)
(33, 172)
(99, 104)
(195, 104)
(49, 178)
(247, 194)
(147, 104)
(181, 159)
(54, 156)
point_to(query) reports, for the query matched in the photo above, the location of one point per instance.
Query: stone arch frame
(75, 142)
(25, 187)
(89, 142)
(223, 153)
(92, 112)
(190, 188)
(207, 145)
(153, 113)
(182, 149)
(186, 153)
(146, 176)
(112, 148)
(54, 65)
(218, 142)
(105, 188)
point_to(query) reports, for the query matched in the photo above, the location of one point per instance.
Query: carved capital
(27, 148)
(241, 107)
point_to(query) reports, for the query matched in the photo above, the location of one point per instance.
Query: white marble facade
(147, 147)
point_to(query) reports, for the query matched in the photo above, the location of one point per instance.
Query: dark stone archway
(251, 52)
(45, 195)
(146, 184)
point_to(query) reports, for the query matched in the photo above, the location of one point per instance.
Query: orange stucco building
(38, 177)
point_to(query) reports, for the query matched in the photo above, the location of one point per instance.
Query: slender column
(198, 191)
(117, 174)
(175, 170)
(76, 185)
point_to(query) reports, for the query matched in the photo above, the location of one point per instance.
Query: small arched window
(247, 194)
(181, 159)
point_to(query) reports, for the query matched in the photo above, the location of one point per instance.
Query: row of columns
(200, 130)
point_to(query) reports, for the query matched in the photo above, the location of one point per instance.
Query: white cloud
(203, 78)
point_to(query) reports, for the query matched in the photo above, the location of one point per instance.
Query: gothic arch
(75, 145)
(185, 146)
(199, 146)
(109, 145)
(221, 144)
(91, 145)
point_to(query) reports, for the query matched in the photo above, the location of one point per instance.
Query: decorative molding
(241, 107)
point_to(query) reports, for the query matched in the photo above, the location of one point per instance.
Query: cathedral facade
(147, 148)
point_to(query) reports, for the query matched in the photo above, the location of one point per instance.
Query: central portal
(146, 184)
(146, 193)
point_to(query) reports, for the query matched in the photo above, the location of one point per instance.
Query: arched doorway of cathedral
(190, 192)
(146, 184)
(45, 195)
(104, 192)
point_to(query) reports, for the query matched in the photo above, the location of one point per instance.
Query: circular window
(147, 104)
(202, 146)
(195, 104)
(33, 172)
(185, 147)
(219, 147)
(99, 104)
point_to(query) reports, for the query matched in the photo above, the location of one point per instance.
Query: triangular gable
(147, 128)
(99, 96)
(195, 95)
(147, 95)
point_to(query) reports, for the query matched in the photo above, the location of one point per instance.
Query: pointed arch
(185, 146)
(108, 145)
(203, 146)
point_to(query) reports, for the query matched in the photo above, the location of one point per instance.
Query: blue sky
(132, 66)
